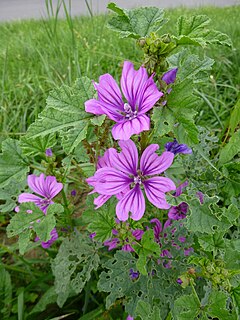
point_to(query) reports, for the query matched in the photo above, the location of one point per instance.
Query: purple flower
(179, 212)
(200, 196)
(46, 188)
(129, 318)
(47, 244)
(73, 193)
(175, 147)
(126, 174)
(170, 76)
(48, 152)
(138, 233)
(111, 243)
(134, 275)
(141, 94)
(188, 251)
(127, 247)
(179, 281)
(92, 235)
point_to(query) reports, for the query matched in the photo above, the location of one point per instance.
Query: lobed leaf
(65, 114)
(231, 149)
(136, 23)
(13, 165)
(73, 265)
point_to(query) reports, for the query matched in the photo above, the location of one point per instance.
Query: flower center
(129, 113)
(44, 202)
(137, 180)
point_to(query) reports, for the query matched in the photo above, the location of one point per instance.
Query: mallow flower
(46, 189)
(176, 147)
(141, 94)
(170, 76)
(129, 176)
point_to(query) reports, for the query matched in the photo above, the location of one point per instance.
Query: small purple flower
(175, 148)
(46, 188)
(111, 243)
(48, 152)
(125, 175)
(141, 94)
(170, 76)
(92, 235)
(138, 233)
(73, 193)
(129, 318)
(188, 251)
(134, 275)
(127, 247)
(114, 232)
(179, 281)
(179, 212)
(200, 196)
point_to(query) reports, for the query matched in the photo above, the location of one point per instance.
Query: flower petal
(149, 96)
(52, 187)
(94, 106)
(28, 197)
(155, 188)
(109, 92)
(132, 83)
(106, 159)
(125, 129)
(110, 181)
(133, 202)
(151, 163)
(37, 184)
(127, 160)
(100, 200)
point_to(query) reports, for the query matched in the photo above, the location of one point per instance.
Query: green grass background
(36, 56)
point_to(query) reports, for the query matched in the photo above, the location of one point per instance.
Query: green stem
(194, 292)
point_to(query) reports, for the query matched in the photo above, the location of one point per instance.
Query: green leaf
(101, 220)
(72, 267)
(217, 303)
(186, 132)
(136, 23)
(186, 307)
(234, 118)
(211, 242)
(206, 217)
(48, 297)
(98, 121)
(190, 66)
(38, 145)
(231, 149)
(31, 217)
(193, 31)
(5, 293)
(232, 254)
(9, 194)
(13, 165)
(236, 298)
(65, 114)
(163, 119)
(146, 312)
(24, 240)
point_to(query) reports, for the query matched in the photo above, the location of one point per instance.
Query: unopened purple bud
(111, 243)
(92, 235)
(200, 196)
(73, 193)
(17, 209)
(114, 232)
(128, 247)
(133, 274)
(182, 239)
(175, 148)
(129, 318)
(170, 76)
(48, 152)
(138, 233)
(188, 251)
(179, 281)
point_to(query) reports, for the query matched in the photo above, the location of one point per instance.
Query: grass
(36, 56)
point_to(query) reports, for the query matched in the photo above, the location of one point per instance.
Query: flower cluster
(46, 189)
